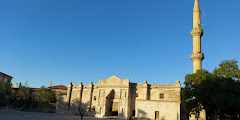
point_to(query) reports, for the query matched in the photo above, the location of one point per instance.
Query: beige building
(123, 99)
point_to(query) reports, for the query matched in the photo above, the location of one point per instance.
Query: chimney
(50, 83)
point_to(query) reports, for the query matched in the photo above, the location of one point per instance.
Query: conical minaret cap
(196, 6)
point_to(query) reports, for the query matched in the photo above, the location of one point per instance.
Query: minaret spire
(196, 15)
(196, 6)
(196, 34)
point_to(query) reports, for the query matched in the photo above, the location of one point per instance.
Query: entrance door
(115, 106)
(114, 110)
(112, 104)
(156, 115)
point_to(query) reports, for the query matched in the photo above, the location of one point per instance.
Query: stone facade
(123, 99)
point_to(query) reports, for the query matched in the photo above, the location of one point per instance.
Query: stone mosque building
(120, 98)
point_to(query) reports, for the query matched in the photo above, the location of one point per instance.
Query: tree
(218, 92)
(23, 97)
(6, 92)
(3, 97)
(45, 96)
(192, 81)
(220, 97)
(228, 69)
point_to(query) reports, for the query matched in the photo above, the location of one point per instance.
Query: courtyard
(11, 114)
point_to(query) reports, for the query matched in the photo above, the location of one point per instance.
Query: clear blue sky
(84, 40)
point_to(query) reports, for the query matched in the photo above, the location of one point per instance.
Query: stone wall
(168, 110)
(130, 100)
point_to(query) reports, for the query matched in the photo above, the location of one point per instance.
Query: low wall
(167, 110)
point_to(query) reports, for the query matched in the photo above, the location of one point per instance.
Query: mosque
(122, 99)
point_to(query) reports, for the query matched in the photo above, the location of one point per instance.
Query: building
(125, 100)
(196, 34)
(5, 77)
(60, 90)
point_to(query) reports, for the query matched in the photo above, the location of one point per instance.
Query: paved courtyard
(11, 114)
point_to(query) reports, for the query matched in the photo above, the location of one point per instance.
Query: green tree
(220, 97)
(218, 92)
(23, 97)
(228, 69)
(45, 96)
(3, 97)
(6, 92)
(190, 98)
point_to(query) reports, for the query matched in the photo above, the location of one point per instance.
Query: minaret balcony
(197, 32)
(197, 56)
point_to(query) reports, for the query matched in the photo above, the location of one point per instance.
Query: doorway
(114, 109)
(112, 104)
(156, 115)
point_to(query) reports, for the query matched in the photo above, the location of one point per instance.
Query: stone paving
(11, 114)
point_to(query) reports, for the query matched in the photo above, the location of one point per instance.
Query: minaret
(196, 34)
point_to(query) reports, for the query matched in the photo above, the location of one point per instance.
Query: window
(102, 92)
(125, 94)
(136, 94)
(133, 113)
(93, 108)
(5, 79)
(94, 98)
(161, 96)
